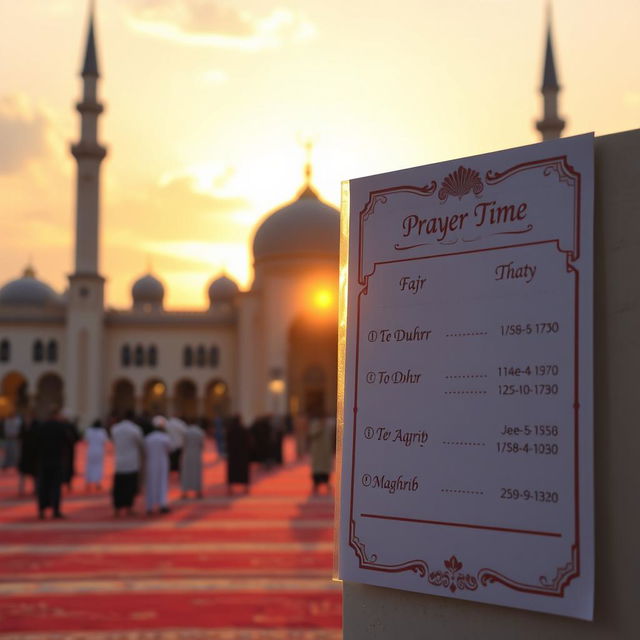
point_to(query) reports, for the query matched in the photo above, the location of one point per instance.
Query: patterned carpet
(232, 568)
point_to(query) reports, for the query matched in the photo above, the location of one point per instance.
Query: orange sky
(208, 103)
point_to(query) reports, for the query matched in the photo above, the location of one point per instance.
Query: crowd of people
(147, 450)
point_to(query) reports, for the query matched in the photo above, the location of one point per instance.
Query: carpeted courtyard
(247, 567)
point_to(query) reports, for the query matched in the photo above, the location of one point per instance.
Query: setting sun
(323, 299)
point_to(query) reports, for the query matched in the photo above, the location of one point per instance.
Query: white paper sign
(467, 465)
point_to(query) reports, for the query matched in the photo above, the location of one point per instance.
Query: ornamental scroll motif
(459, 183)
(453, 578)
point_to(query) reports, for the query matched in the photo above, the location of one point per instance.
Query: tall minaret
(551, 125)
(88, 153)
(84, 393)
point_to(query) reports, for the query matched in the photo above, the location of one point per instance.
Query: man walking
(128, 444)
(52, 443)
(157, 447)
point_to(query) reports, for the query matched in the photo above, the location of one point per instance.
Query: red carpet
(234, 568)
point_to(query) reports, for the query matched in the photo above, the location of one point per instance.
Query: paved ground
(242, 567)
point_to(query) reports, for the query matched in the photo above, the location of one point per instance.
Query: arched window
(152, 355)
(187, 357)
(5, 351)
(138, 357)
(38, 351)
(214, 356)
(125, 355)
(52, 351)
(200, 357)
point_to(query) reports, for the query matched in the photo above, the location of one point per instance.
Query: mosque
(269, 350)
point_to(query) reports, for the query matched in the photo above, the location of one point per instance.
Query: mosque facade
(270, 350)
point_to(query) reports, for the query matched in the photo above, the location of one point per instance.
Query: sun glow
(322, 299)
(205, 142)
(277, 386)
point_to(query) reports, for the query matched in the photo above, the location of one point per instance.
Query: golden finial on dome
(308, 147)
(29, 271)
(307, 190)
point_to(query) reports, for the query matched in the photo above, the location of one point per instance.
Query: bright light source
(322, 298)
(158, 389)
(219, 388)
(276, 386)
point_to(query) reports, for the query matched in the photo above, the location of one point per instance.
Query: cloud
(24, 132)
(631, 98)
(178, 209)
(189, 222)
(213, 23)
(198, 17)
(35, 217)
(215, 77)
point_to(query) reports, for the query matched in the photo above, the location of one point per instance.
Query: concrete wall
(374, 613)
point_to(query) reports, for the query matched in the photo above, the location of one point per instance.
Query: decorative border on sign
(566, 174)
(380, 196)
(370, 561)
(452, 578)
(564, 575)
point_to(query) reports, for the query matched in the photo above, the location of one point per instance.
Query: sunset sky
(208, 103)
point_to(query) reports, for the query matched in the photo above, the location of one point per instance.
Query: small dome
(307, 226)
(147, 293)
(222, 289)
(28, 291)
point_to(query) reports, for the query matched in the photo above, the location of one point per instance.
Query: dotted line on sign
(461, 393)
(470, 444)
(470, 333)
(473, 493)
(479, 375)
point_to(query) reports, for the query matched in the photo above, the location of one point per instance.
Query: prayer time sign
(468, 379)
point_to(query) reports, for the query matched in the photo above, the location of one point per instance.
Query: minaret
(89, 153)
(551, 125)
(85, 312)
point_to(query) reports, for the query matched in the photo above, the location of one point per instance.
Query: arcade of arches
(15, 395)
(182, 400)
(185, 400)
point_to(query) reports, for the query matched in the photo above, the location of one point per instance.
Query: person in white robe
(128, 445)
(96, 439)
(157, 447)
(191, 465)
(176, 429)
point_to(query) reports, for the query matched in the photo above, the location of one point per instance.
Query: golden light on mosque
(158, 389)
(5, 406)
(276, 386)
(219, 389)
(322, 299)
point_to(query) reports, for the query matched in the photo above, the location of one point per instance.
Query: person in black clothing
(73, 436)
(261, 435)
(276, 428)
(27, 461)
(52, 441)
(238, 446)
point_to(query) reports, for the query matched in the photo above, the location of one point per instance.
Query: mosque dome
(307, 226)
(28, 291)
(147, 293)
(222, 289)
